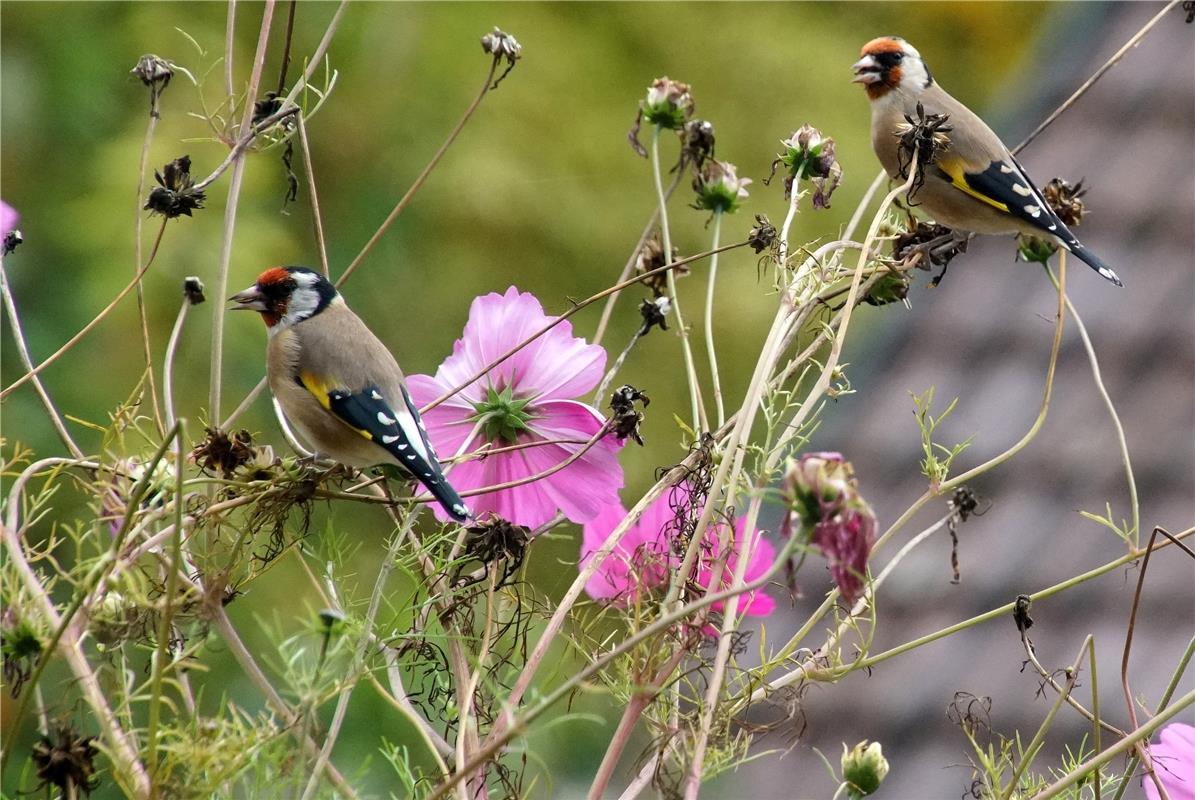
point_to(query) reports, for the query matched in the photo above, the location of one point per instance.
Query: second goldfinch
(975, 184)
(338, 384)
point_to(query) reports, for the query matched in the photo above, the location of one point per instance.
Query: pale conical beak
(249, 300)
(867, 70)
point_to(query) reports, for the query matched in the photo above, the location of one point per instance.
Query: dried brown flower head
(1066, 200)
(763, 235)
(697, 142)
(501, 45)
(219, 451)
(651, 257)
(193, 290)
(175, 195)
(654, 312)
(922, 138)
(67, 761)
(155, 72)
(626, 419)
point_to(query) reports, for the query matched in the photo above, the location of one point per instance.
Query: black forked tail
(1093, 261)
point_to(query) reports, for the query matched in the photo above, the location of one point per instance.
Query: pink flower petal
(1174, 763)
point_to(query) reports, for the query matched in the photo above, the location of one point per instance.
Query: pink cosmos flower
(8, 218)
(1174, 763)
(643, 560)
(525, 400)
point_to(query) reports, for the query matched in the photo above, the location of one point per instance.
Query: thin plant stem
(1035, 743)
(168, 361)
(966, 477)
(1007, 608)
(1133, 41)
(162, 652)
(249, 665)
(290, 30)
(1177, 677)
(229, 42)
(1134, 505)
(142, 312)
(317, 222)
(499, 737)
(1096, 723)
(422, 178)
(1048, 679)
(1131, 741)
(89, 327)
(709, 320)
(230, 217)
(127, 768)
(698, 411)
(611, 300)
(342, 702)
(693, 781)
(95, 576)
(18, 336)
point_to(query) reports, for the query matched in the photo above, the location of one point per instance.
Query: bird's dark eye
(898, 57)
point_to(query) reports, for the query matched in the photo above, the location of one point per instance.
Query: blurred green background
(541, 191)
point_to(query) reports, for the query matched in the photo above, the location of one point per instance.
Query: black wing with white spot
(1007, 184)
(402, 433)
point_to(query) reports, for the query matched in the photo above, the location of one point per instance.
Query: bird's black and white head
(890, 63)
(286, 296)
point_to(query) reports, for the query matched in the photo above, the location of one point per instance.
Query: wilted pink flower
(644, 559)
(1174, 763)
(8, 218)
(823, 498)
(524, 400)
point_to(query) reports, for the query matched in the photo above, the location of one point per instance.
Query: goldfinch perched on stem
(975, 184)
(337, 383)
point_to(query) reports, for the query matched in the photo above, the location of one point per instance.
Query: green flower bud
(863, 768)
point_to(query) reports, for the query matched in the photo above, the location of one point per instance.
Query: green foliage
(937, 457)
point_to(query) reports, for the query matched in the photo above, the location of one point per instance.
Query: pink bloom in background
(8, 218)
(525, 399)
(1174, 763)
(643, 560)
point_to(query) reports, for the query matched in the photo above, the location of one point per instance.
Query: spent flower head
(654, 312)
(1065, 200)
(809, 155)
(651, 258)
(523, 408)
(626, 419)
(719, 188)
(66, 761)
(697, 142)
(863, 769)
(823, 500)
(155, 72)
(175, 195)
(502, 46)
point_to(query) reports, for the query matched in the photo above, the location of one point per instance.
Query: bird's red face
(286, 295)
(270, 296)
(888, 63)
